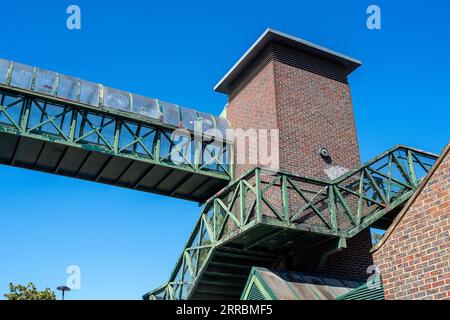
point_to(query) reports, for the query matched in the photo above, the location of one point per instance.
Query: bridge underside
(50, 157)
(265, 245)
(227, 271)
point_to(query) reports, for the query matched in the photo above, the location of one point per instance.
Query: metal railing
(342, 207)
(111, 132)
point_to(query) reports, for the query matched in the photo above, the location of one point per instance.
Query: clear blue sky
(127, 242)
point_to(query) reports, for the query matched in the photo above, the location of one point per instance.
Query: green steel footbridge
(265, 215)
(67, 126)
(62, 125)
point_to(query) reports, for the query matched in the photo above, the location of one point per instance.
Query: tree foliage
(376, 237)
(28, 292)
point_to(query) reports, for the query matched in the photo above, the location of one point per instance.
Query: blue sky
(127, 242)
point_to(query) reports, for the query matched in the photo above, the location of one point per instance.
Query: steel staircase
(265, 215)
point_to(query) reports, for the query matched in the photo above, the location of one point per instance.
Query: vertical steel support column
(73, 125)
(117, 130)
(157, 145)
(360, 199)
(332, 207)
(242, 202)
(198, 152)
(412, 170)
(389, 186)
(259, 210)
(183, 273)
(25, 115)
(231, 161)
(285, 199)
(216, 216)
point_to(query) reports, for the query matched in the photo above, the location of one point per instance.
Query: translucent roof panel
(207, 121)
(116, 99)
(68, 88)
(222, 125)
(4, 68)
(45, 82)
(171, 114)
(188, 118)
(146, 107)
(22, 76)
(89, 93)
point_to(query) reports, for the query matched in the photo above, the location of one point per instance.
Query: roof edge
(271, 35)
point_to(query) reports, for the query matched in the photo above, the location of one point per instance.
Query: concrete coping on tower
(271, 36)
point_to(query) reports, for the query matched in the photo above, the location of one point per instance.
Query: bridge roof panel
(69, 88)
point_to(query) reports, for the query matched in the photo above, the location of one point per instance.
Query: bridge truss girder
(108, 146)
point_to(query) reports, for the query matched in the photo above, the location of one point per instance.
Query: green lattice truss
(341, 208)
(111, 134)
(108, 131)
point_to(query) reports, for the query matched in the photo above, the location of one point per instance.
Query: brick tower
(302, 90)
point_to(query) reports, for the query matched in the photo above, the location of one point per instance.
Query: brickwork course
(414, 254)
(311, 111)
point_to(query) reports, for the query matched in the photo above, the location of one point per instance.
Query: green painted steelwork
(55, 85)
(105, 135)
(375, 291)
(60, 124)
(263, 206)
(256, 288)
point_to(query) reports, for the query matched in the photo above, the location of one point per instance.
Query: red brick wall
(314, 112)
(353, 261)
(414, 259)
(311, 111)
(254, 107)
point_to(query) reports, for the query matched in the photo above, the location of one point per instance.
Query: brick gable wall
(414, 257)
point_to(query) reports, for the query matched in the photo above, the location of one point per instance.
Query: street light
(63, 289)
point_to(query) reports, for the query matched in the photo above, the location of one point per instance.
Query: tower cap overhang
(271, 36)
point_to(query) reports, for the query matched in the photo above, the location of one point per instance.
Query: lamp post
(63, 289)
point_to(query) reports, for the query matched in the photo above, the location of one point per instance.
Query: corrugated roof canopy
(290, 285)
